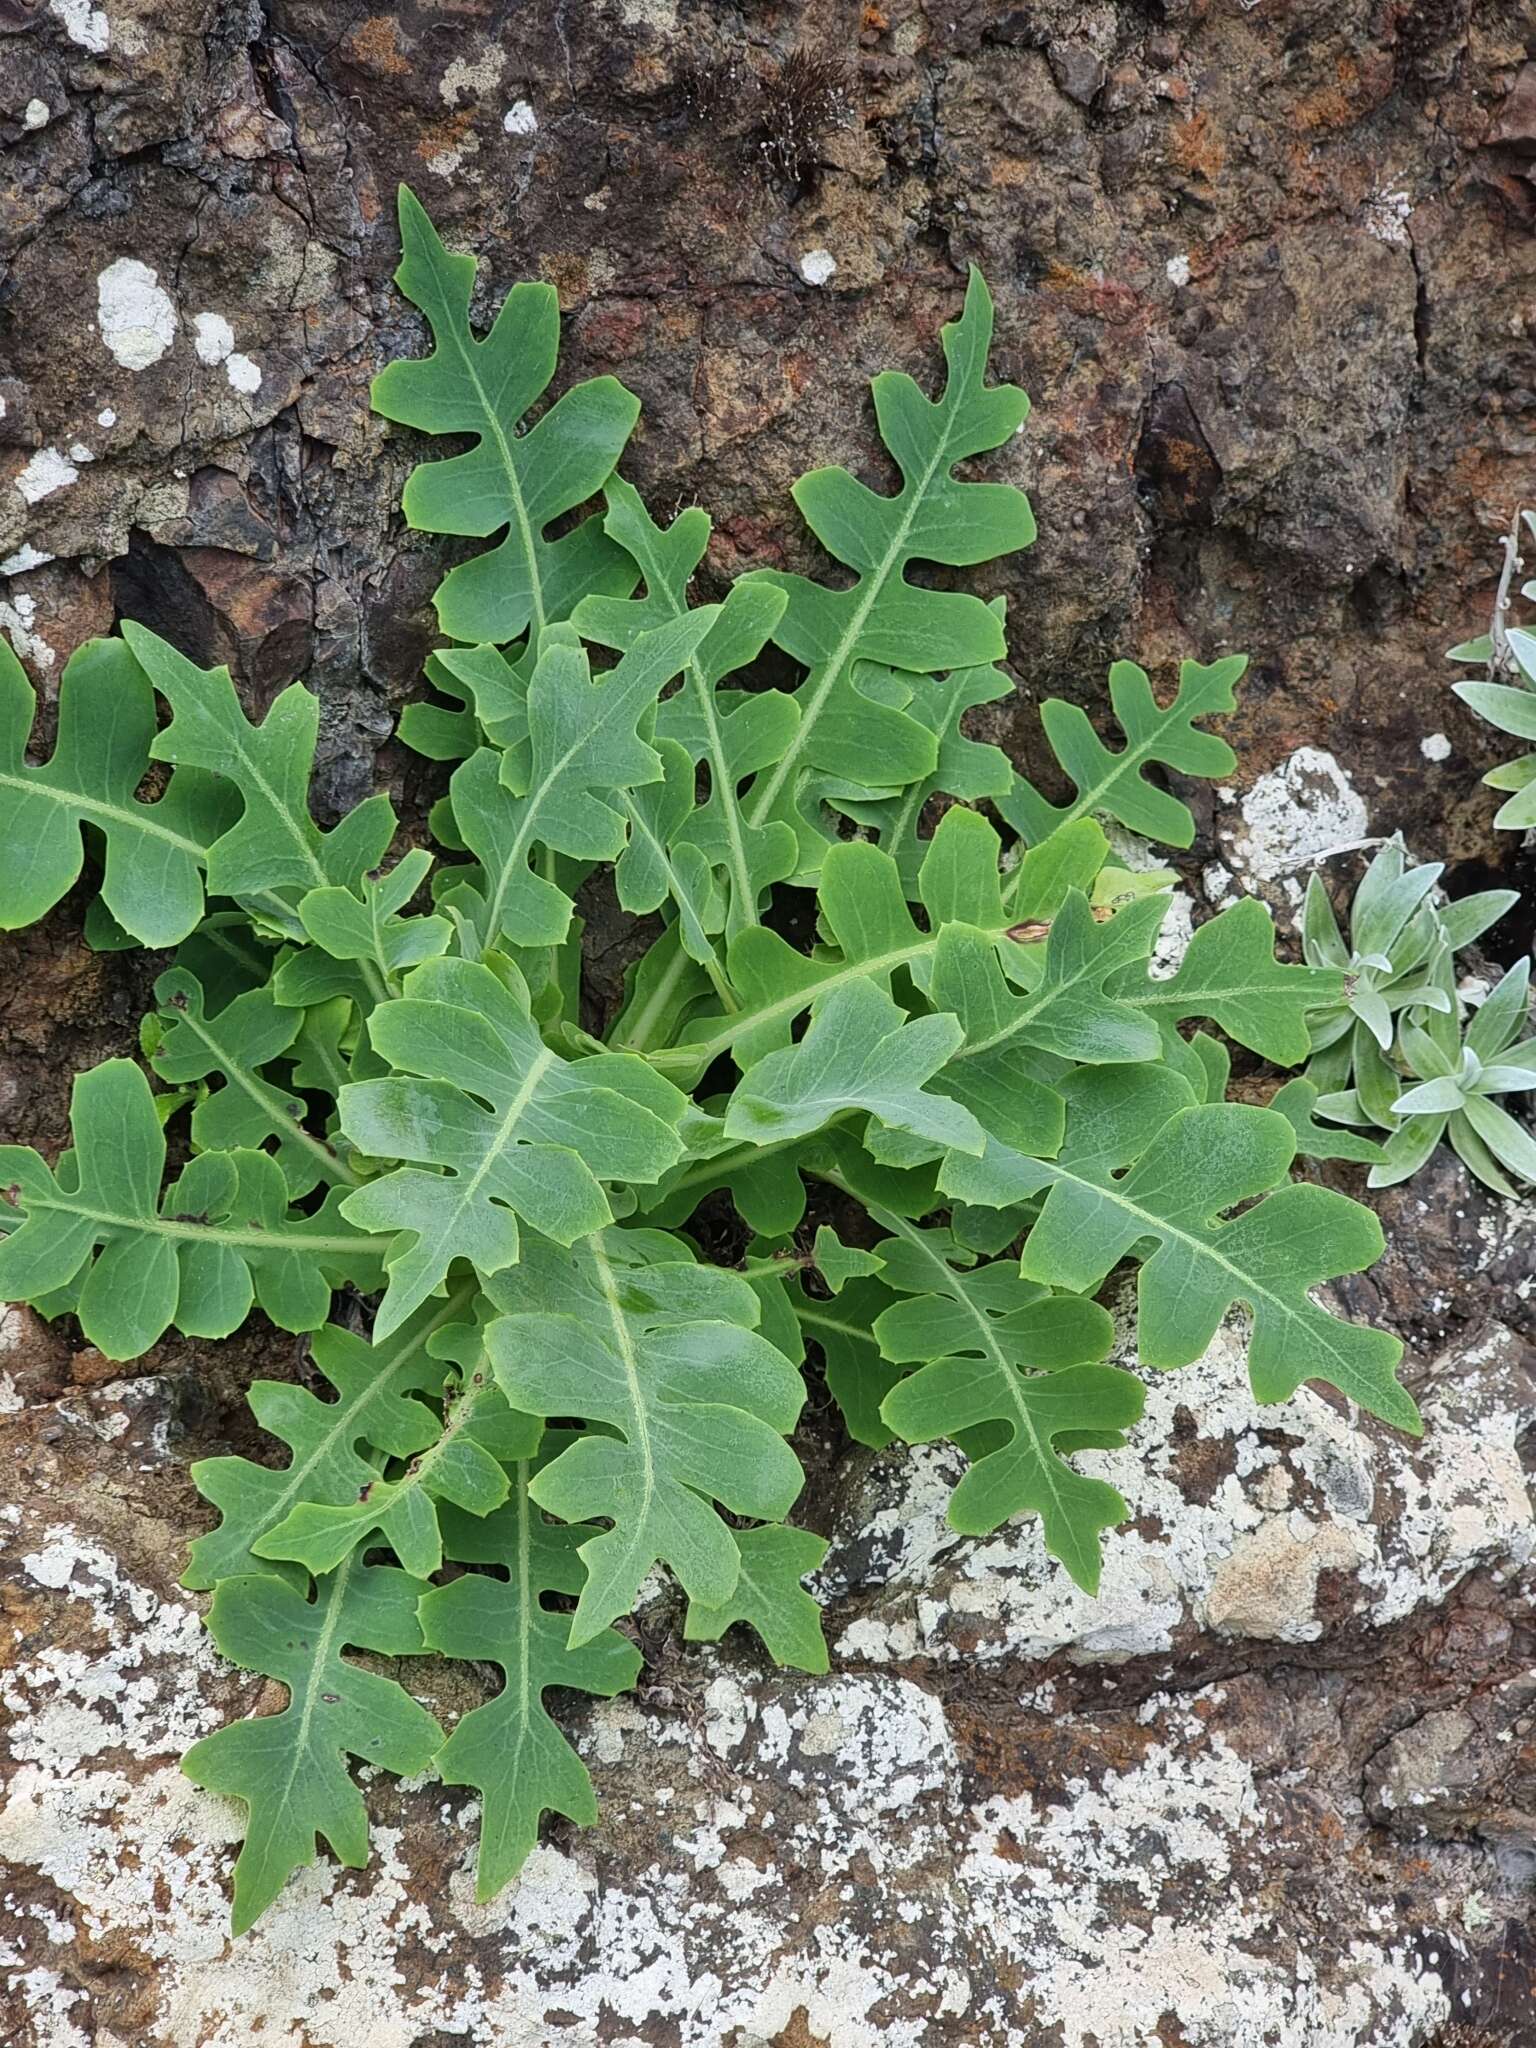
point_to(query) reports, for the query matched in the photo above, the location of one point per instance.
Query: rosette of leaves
(1395, 958)
(1456, 1074)
(1506, 695)
(1400, 1022)
(927, 1126)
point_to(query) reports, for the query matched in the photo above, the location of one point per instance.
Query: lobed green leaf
(882, 617)
(132, 1261)
(290, 1769)
(152, 879)
(695, 1405)
(1115, 785)
(510, 1750)
(521, 480)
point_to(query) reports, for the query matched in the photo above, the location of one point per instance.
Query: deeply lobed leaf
(290, 1769)
(520, 480)
(152, 878)
(586, 751)
(131, 1260)
(510, 1750)
(732, 734)
(844, 729)
(626, 1331)
(1116, 784)
(461, 1462)
(276, 847)
(379, 1389)
(498, 1127)
(1131, 1175)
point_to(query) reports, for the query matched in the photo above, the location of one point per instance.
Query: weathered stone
(1077, 69)
(1514, 126)
(1277, 1524)
(1464, 1772)
(845, 1860)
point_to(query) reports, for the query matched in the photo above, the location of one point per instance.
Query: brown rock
(1514, 125)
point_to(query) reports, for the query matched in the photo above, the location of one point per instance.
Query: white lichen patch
(70, 1704)
(34, 115)
(213, 337)
(1226, 1530)
(520, 119)
(1219, 884)
(1462, 1502)
(660, 15)
(813, 1864)
(1170, 1831)
(1291, 818)
(1435, 746)
(471, 78)
(26, 557)
(1129, 850)
(83, 24)
(18, 621)
(47, 471)
(1386, 217)
(134, 313)
(214, 340)
(447, 163)
(1173, 938)
(818, 266)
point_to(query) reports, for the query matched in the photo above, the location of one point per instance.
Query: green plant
(1507, 698)
(937, 1129)
(1397, 958)
(1400, 1018)
(1458, 1071)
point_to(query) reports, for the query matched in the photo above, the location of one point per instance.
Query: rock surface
(1283, 1524)
(1266, 268)
(1009, 1850)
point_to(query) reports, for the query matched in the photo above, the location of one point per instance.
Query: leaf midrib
(202, 1233)
(872, 589)
(270, 1100)
(859, 1332)
(1130, 758)
(1245, 1287)
(954, 1289)
(639, 1432)
(130, 814)
(347, 1422)
(314, 1671)
(789, 1007)
(532, 804)
(465, 346)
(722, 783)
(538, 1067)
